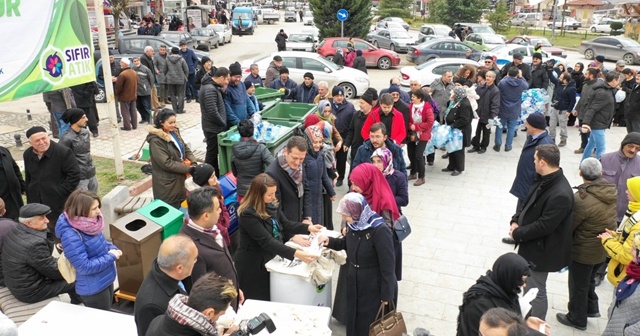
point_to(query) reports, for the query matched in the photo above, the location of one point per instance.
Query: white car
(431, 70)
(307, 18)
(504, 54)
(223, 31)
(604, 26)
(301, 42)
(354, 81)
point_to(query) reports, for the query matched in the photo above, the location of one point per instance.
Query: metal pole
(108, 87)
(341, 28)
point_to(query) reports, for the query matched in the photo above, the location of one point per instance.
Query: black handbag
(402, 228)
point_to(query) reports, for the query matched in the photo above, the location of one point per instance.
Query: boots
(419, 182)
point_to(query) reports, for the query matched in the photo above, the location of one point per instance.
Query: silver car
(207, 38)
(612, 48)
(395, 40)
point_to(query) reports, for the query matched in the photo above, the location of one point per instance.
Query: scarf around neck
(627, 286)
(296, 174)
(90, 226)
(187, 316)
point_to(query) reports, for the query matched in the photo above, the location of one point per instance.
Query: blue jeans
(190, 89)
(597, 140)
(511, 125)
(62, 126)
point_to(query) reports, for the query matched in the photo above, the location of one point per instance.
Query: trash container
(264, 94)
(287, 288)
(139, 239)
(269, 104)
(225, 143)
(288, 112)
(169, 218)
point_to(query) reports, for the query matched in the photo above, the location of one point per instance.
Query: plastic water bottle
(256, 118)
(269, 133)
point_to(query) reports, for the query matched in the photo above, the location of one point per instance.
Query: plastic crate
(161, 213)
(289, 112)
(225, 144)
(266, 94)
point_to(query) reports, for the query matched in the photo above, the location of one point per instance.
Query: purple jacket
(617, 169)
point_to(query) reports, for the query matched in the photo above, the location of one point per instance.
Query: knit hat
(284, 70)
(308, 75)
(201, 174)
(537, 120)
(394, 88)
(368, 97)
(358, 52)
(537, 55)
(72, 115)
(600, 58)
(175, 50)
(337, 91)
(631, 138)
(373, 92)
(35, 129)
(204, 60)
(235, 69)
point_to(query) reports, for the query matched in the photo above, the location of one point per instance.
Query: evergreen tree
(399, 8)
(500, 16)
(452, 11)
(357, 25)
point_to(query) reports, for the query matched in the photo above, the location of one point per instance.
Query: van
(245, 16)
(526, 19)
(257, 15)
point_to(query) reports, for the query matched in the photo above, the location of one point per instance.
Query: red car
(381, 58)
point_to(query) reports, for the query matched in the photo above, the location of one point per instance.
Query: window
(156, 44)
(289, 62)
(311, 64)
(340, 43)
(439, 70)
(461, 47)
(361, 45)
(135, 45)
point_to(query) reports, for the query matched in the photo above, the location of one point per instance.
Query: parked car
(354, 81)
(177, 36)
(526, 19)
(533, 41)
(388, 25)
(447, 48)
(483, 41)
(604, 26)
(381, 58)
(477, 27)
(434, 29)
(223, 31)
(301, 42)
(290, 16)
(426, 38)
(307, 18)
(569, 23)
(206, 38)
(395, 40)
(504, 54)
(401, 21)
(429, 71)
(612, 48)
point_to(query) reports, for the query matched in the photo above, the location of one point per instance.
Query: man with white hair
(147, 60)
(323, 92)
(127, 92)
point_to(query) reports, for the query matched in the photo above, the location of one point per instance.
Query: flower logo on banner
(54, 65)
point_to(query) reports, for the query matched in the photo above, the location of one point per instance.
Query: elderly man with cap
(285, 84)
(51, 172)
(192, 63)
(177, 73)
(517, 62)
(536, 126)
(30, 271)
(146, 81)
(78, 140)
(235, 98)
(324, 93)
(127, 92)
(344, 111)
(307, 91)
(273, 70)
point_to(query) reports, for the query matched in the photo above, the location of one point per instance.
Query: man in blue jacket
(285, 83)
(564, 99)
(306, 92)
(192, 62)
(511, 88)
(378, 139)
(236, 98)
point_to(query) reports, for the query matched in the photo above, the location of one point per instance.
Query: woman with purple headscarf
(383, 159)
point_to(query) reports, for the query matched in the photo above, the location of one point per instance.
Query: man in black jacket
(354, 139)
(632, 106)
(11, 184)
(488, 108)
(517, 62)
(539, 75)
(281, 40)
(599, 114)
(77, 139)
(343, 110)
(164, 280)
(591, 77)
(213, 112)
(542, 226)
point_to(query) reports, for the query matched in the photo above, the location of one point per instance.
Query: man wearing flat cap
(51, 173)
(30, 271)
(307, 91)
(518, 63)
(77, 139)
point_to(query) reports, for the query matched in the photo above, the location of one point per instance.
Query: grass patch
(567, 38)
(106, 174)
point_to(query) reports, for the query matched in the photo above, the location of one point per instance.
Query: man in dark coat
(542, 227)
(213, 112)
(632, 106)
(539, 74)
(281, 40)
(378, 139)
(354, 139)
(51, 173)
(84, 96)
(11, 184)
(292, 193)
(307, 91)
(30, 271)
(6, 225)
(590, 80)
(517, 63)
(599, 114)
(488, 108)
(564, 98)
(511, 87)
(213, 253)
(192, 63)
(343, 110)
(164, 280)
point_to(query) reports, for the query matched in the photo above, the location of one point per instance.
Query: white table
(289, 319)
(59, 318)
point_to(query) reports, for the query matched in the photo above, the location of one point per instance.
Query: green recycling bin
(161, 213)
(225, 143)
(267, 94)
(269, 104)
(289, 112)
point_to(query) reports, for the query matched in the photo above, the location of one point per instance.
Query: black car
(440, 48)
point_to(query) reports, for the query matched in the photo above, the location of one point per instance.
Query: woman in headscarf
(618, 243)
(328, 126)
(623, 312)
(338, 58)
(499, 288)
(459, 115)
(383, 159)
(370, 264)
(315, 172)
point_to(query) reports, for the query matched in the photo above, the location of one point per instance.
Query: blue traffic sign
(342, 15)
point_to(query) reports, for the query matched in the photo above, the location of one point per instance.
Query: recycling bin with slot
(161, 213)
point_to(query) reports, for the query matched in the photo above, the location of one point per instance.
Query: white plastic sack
(455, 141)
(441, 136)
(620, 96)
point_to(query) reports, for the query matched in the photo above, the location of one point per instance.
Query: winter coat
(281, 40)
(6, 225)
(84, 94)
(354, 137)
(489, 102)
(169, 173)
(160, 64)
(148, 62)
(585, 98)
(511, 89)
(177, 70)
(248, 159)
(192, 61)
(272, 74)
(89, 255)
(441, 92)
(366, 150)
(545, 219)
(58, 105)
(539, 77)
(338, 59)
(617, 168)
(199, 75)
(235, 101)
(602, 108)
(145, 80)
(290, 87)
(564, 95)
(398, 131)
(127, 85)
(525, 68)
(460, 117)
(257, 80)
(80, 145)
(423, 128)
(344, 113)
(12, 184)
(258, 245)
(51, 179)
(294, 208)
(624, 319)
(594, 210)
(328, 97)
(306, 94)
(360, 63)
(632, 104)
(318, 183)
(213, 112)
(30, 271)
(399, 187)
(164, 325)
(619, 248)
(349, 58)
(526, 170)
(153, 297)
(578, 77)
(115, 71)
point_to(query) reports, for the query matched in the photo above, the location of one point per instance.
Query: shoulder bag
(391, 324)
(402, 228)
(64, 266)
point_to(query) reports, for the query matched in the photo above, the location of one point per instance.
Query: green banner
(47, 46)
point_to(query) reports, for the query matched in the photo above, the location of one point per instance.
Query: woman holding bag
(459, 116)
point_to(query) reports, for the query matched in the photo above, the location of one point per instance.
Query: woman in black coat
(371, 279)
(359, 62)
(262, 228)
(316, 178)
(11, 184)
(459, 115)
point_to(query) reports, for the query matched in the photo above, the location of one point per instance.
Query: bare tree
(117, 7)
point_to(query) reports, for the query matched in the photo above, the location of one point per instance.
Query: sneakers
(496, 148)
(562, 143)
(578, 151)
(419, 182)
(412, 177)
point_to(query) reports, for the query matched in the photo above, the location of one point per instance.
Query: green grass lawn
(106, 173)
(567, 39)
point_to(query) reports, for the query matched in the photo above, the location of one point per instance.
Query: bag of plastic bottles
(455, 141)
